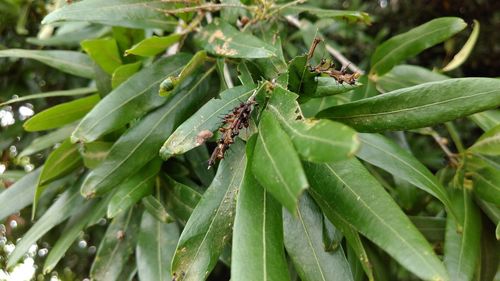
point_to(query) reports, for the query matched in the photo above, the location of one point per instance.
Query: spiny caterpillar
(232, 123)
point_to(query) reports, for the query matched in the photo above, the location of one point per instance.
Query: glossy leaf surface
(130, 100)
(276, 164)
(155, 248)
(209, 228)
(104, 52)
(61, 114)
(315, 140)
(488, 143)
(60, 162)
(257, 248)
(419, 106)
(20, 194)
(71, 62)
(221, 39)
(409, 44)
(300, 79)
(153, 45)
(124, 72)
(207, 118)
(128, 13)
(303, 242)
(346, 190)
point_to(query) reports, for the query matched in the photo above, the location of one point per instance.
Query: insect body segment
(232, 123)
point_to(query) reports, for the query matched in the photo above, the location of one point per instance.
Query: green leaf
(51, 188)
(466, 50)
(197, 158)
(156, 209)
(124, 72)
(182, 199)
(383, 153)
(155, 248)
(208, 117)
(300, 79)
(315, 140)
(328, 86)
(62, 161)
(347, 190)
(65, 206)
(61, 114)
(303, 242)
(19, 195)
(411, 43)
(276, 164)
(257, 248)
(209, 228)
(65, 93)
(104, 52)
(153, 45)
(352, 16)
(488, 143)
(116, 246)
(402, 76)
(433, 228)
(127, 13)
(486, 184)
(93, 153)
(89, 213)
(70, 35)
(486, 120)
(311, 107)
(130, 100)
(134, 188)
(419, 106)
(221, 39)
(70, 62)
(140, 144)
(489, 254)
(462, 246)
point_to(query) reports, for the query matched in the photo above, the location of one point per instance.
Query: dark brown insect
(232, 123)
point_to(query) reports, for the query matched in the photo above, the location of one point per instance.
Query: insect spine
(232, 123)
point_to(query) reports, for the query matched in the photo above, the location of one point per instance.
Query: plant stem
(454, 136)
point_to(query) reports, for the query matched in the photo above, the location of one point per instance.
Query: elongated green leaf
(466, 50)
(303, 242)
(130, 100)
(486, 120)
(381, 152)
(311, 107)
(222, 39)
(153, 45)
(134, 188)
(328, 86)
(117, 246)
(487, 184)
(276, 164)
(419, 106)
(182, 199)
(462, 246)
(409, 44)
(124, 72)
(300, 79)
(128, 13)
(104, 52)
(207, 118)
(257, 248)
(488, 143)
(402, 76)
(51, 188)
(315, 140)
(197, 158)
(209, 228)
(61, 114)
(140, 144)
(89, 213)
(70, 62)
(347, 190)
(93, 153)
(60, 162)
(70, 35)
(155, 248)
(156, 209)
(489, 254)
(65, 206)
(354, 16)
(19, 195)
(66, 93)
